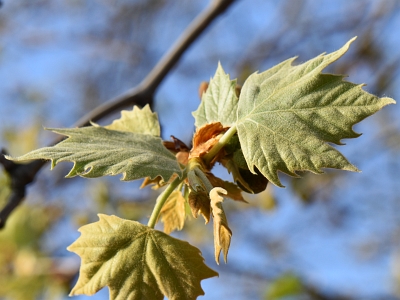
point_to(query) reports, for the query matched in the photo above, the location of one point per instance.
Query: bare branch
(143, 94)
(22, 175)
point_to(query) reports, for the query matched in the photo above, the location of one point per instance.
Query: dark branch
(143, 94)
(22, 175)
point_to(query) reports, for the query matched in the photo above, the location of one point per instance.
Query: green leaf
(219, 102)
(137, 262)
(137, 121)
(287, 115)
(97, 151)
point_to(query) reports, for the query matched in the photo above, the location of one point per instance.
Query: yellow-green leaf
(173, 212)
(137, 262)
(138, 120)
(288, 114)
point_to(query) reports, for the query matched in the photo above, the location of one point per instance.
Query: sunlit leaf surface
(288, 114)
(137, 262)
(137, 121)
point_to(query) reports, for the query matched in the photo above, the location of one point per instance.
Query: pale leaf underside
(219, 102)
(287, 115)
(96, 151)
(137, 262)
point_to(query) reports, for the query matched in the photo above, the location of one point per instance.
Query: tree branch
(143, 94)
(22, 175)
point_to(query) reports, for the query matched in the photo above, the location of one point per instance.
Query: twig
(144, 92)
(22, 175)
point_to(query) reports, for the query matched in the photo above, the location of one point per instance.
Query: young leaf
(97, 151)
(199, 203)
(222, 232)
(137, 121)
(173, 212)
(137, 262)
(287, 115)
(219, 102)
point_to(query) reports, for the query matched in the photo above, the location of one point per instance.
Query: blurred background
(331, 236)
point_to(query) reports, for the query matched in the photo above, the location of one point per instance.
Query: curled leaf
(222, 232)
(199, 203)
(233, 191)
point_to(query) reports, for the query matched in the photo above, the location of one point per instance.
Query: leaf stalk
(162, 198)
(221, 143)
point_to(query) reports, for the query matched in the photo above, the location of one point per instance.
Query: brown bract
(156, 182)
(205, 138)
(182, 157)
(203, 88)
(179, 148)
